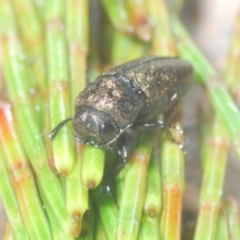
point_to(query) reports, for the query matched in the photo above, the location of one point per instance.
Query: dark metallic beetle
(131, 95)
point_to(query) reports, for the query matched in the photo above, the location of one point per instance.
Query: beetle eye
(108, 131)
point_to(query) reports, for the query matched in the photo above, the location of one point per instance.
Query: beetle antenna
(55, 131)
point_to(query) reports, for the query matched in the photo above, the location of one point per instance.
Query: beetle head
(94, 127)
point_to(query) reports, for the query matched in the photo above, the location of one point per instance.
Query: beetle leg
(154, 125)
(166, 129)
(123, 149)
(123, 145)
(170, 112)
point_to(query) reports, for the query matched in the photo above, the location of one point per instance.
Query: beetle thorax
(114, 97)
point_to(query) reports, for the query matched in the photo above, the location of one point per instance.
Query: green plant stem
(173, 188)
(100, 232)
(162, 42)
(93, 166)
(153, 200)
(232, 70)
(222, 226)
(148, 228)
(9, 233)
(76, 192)
(17, 74)
(59, 90)
(10, 203)
(118, 15)
(31, 34)
(22, 178)
(107, 209)
(77, 42)
(77, 39)
(205, 74)
(134, 190)
(139, 19)
(232, 208)
(212, 185)
(133, 48)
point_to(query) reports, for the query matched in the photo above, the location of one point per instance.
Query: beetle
(131, 95)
